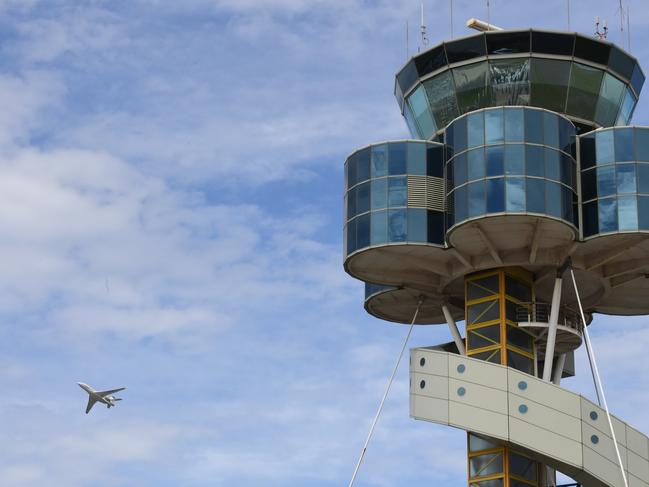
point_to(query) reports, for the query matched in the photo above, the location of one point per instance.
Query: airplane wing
(108, 393)
(91, 403)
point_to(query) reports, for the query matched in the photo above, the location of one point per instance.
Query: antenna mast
(621, 23)
(568, 8)
(603, 34)
(451, 19)
(424, 39)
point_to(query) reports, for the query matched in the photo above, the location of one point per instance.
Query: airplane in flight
(104, 397)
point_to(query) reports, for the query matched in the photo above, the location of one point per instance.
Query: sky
(171, 213)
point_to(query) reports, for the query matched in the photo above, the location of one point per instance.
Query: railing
(540, 312)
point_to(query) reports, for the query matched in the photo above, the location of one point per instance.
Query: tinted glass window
(566, 135)
(397, 225)
(549, 83)
(591, 225)
(534, 161)
(567, 170)
(641, 137)
(417, 231)
(552, 164)
(624, 145)
(379, 193)
(494, 126)
(351, 170)
(407, 76)
(397, 191)
(351, 203)
(416, 158)
(476, 199)
(466, 48)
(609, 100)
(643, 212)
(534, 126)
(379, 227)
(460, 202)
(585, 83)
(441, 96)
(351, 236)
(435, 161)
(459, 135)
(551, 129)
(363, 168)
(431, 60)
(535, 195)
(587, 144)
(643, 178)
(436, 227)
(475, 129)
(508, 42)
(592, 50)
(621, 62)
(459, 169)
(509, 79)
(626, 110)
(379, 160)
(363, 231)
(606, 181)
(472, 86)
(550, 43)
(495, 162)
(515, 194)
(589, 185)
(626, 178)
(419, 104)
(397, 158)
(514, 126)
(495, 195)
(363, 198)
(515, 159)
(476, 165)
(410, 121)
(637, 79)
(607, 215)
(553, 199)
(627, 213)
(604, 146)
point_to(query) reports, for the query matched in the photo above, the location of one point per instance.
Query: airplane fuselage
(104, 397)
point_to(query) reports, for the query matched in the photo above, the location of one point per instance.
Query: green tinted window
(626, 111)
(585, 83)
(421, 111)
(441, 96)
(472, 85)
(609, 100)
(510, 81)
(549, 83)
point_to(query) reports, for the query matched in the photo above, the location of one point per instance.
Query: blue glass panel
(589, 184)
(441, 95)
(566, 134)
(627, 212)
(476, 199)
(534, 126)
(607, 215)
(608, 104)
(515, 159)
(551, 129)
(591, 222)
(351, 203)
(534, 160)
(553, 199)
(637, 78)
(604, 146)
(495, 195)
(351, 236)
(552, 164)
(475, 129)
(397, 225)
(351, 170)
(397, 191)
(626, 178)
(606, 181)
(626, 111)
(535, 195)
(420, 108)
(514, 125)
(476, 165)
(460, 135)
(643, 212)
(379, 193)
(379, 226)
(363, 161)
(435, 161)
(587, 151)
(566, 203)
(494, 127)
(436, 227)
(410, 122)
(567, 170)
(460, 169)
(363, 231)
(515, 194)
(643, 178)
(363, 198)
(624, 145)
(417, 158)
(641, 144)
(379, 160)
(495, 160)
(417, 231)
(460, 204)
(397, 158)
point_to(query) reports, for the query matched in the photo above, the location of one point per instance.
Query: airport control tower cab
(520, 206)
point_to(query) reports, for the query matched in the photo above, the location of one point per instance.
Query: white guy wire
(385, 395)
(599, 381)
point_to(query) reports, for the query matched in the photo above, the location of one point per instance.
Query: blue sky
(171, 202)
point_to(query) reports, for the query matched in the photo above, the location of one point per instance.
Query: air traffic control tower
(522, 168)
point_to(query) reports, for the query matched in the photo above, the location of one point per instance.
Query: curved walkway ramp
(552, 425)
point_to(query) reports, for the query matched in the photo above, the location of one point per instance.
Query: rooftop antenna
(488, 13)
(568, 8)
(407, 40)
(451, 19)
(424, 39)
(601, 35)
(621, 23)
(628, 27)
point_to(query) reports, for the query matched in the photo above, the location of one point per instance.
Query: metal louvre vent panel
(426, 192)
(436, 190)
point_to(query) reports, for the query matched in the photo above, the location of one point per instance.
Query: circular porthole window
(422, 362)
(461, 368)
(594, 439)
(522, 409)
(593, 415)
(522, 385)
(461, 391)
(422, 384)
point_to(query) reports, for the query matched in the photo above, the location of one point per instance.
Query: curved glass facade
(615, 180)
(592, 81)
(394, 194)
(511, 160)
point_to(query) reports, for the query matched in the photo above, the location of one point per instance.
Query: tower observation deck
(521, 165)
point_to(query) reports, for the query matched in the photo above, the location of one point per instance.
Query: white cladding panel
(602, 468)
(544, 393)
(429, 409)
(429, 385)
(637, 442)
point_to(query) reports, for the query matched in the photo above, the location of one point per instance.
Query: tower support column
(552, 330)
